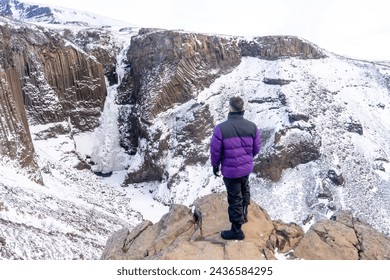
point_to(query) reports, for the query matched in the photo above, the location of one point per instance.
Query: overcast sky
(359, 28)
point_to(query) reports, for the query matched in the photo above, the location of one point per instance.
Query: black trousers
(238, 195)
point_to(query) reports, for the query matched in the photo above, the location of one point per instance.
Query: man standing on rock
(234, 144)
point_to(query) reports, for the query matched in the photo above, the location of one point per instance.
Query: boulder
(373, 244)
(328, 240)
(343, 238)
(292, 146)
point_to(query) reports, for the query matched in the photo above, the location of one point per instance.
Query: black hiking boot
(234, 233)
(245, 213)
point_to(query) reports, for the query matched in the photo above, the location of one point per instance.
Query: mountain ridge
(52, 15)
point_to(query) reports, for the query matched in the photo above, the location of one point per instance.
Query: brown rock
(328, 240)
(243, 250)
(47, 81)
(79, 84)
(56, 81)
(16, 142)
(212, 215)
(200, 250)
(147, 240)
(373, 245)
(105, 49)
(181, 234)
(345, 237)
(285, 237)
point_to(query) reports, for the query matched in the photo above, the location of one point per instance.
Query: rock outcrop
(182, 234)
(101, 44)
(56, 80)
(186, 234)
(343, 237)
(292, 146)
(276, 47)
(16, 142)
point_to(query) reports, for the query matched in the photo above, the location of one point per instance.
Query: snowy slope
(333, 92)
(70, 217)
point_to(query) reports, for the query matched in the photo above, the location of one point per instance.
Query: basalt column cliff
(45, 81)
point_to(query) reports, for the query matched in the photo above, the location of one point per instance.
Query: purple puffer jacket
(234, 144)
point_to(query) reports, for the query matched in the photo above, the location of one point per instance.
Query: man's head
(236, 104)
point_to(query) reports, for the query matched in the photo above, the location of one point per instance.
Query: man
(233, 146)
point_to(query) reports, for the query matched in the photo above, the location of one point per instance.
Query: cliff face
(277, 47)
(44, 81)
(79, 86)
(15, 136)
(183, 62)
(102, 45)
(57, 80)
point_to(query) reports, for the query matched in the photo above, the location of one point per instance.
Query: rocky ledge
(194, 233)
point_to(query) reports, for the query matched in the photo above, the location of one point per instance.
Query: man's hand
(216, 171)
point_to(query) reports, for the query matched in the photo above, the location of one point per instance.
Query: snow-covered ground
(76, 211)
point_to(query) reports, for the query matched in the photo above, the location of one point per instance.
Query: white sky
(357, 28)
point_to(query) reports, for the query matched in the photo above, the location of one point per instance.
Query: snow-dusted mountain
(47, 14)
(324, 121)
